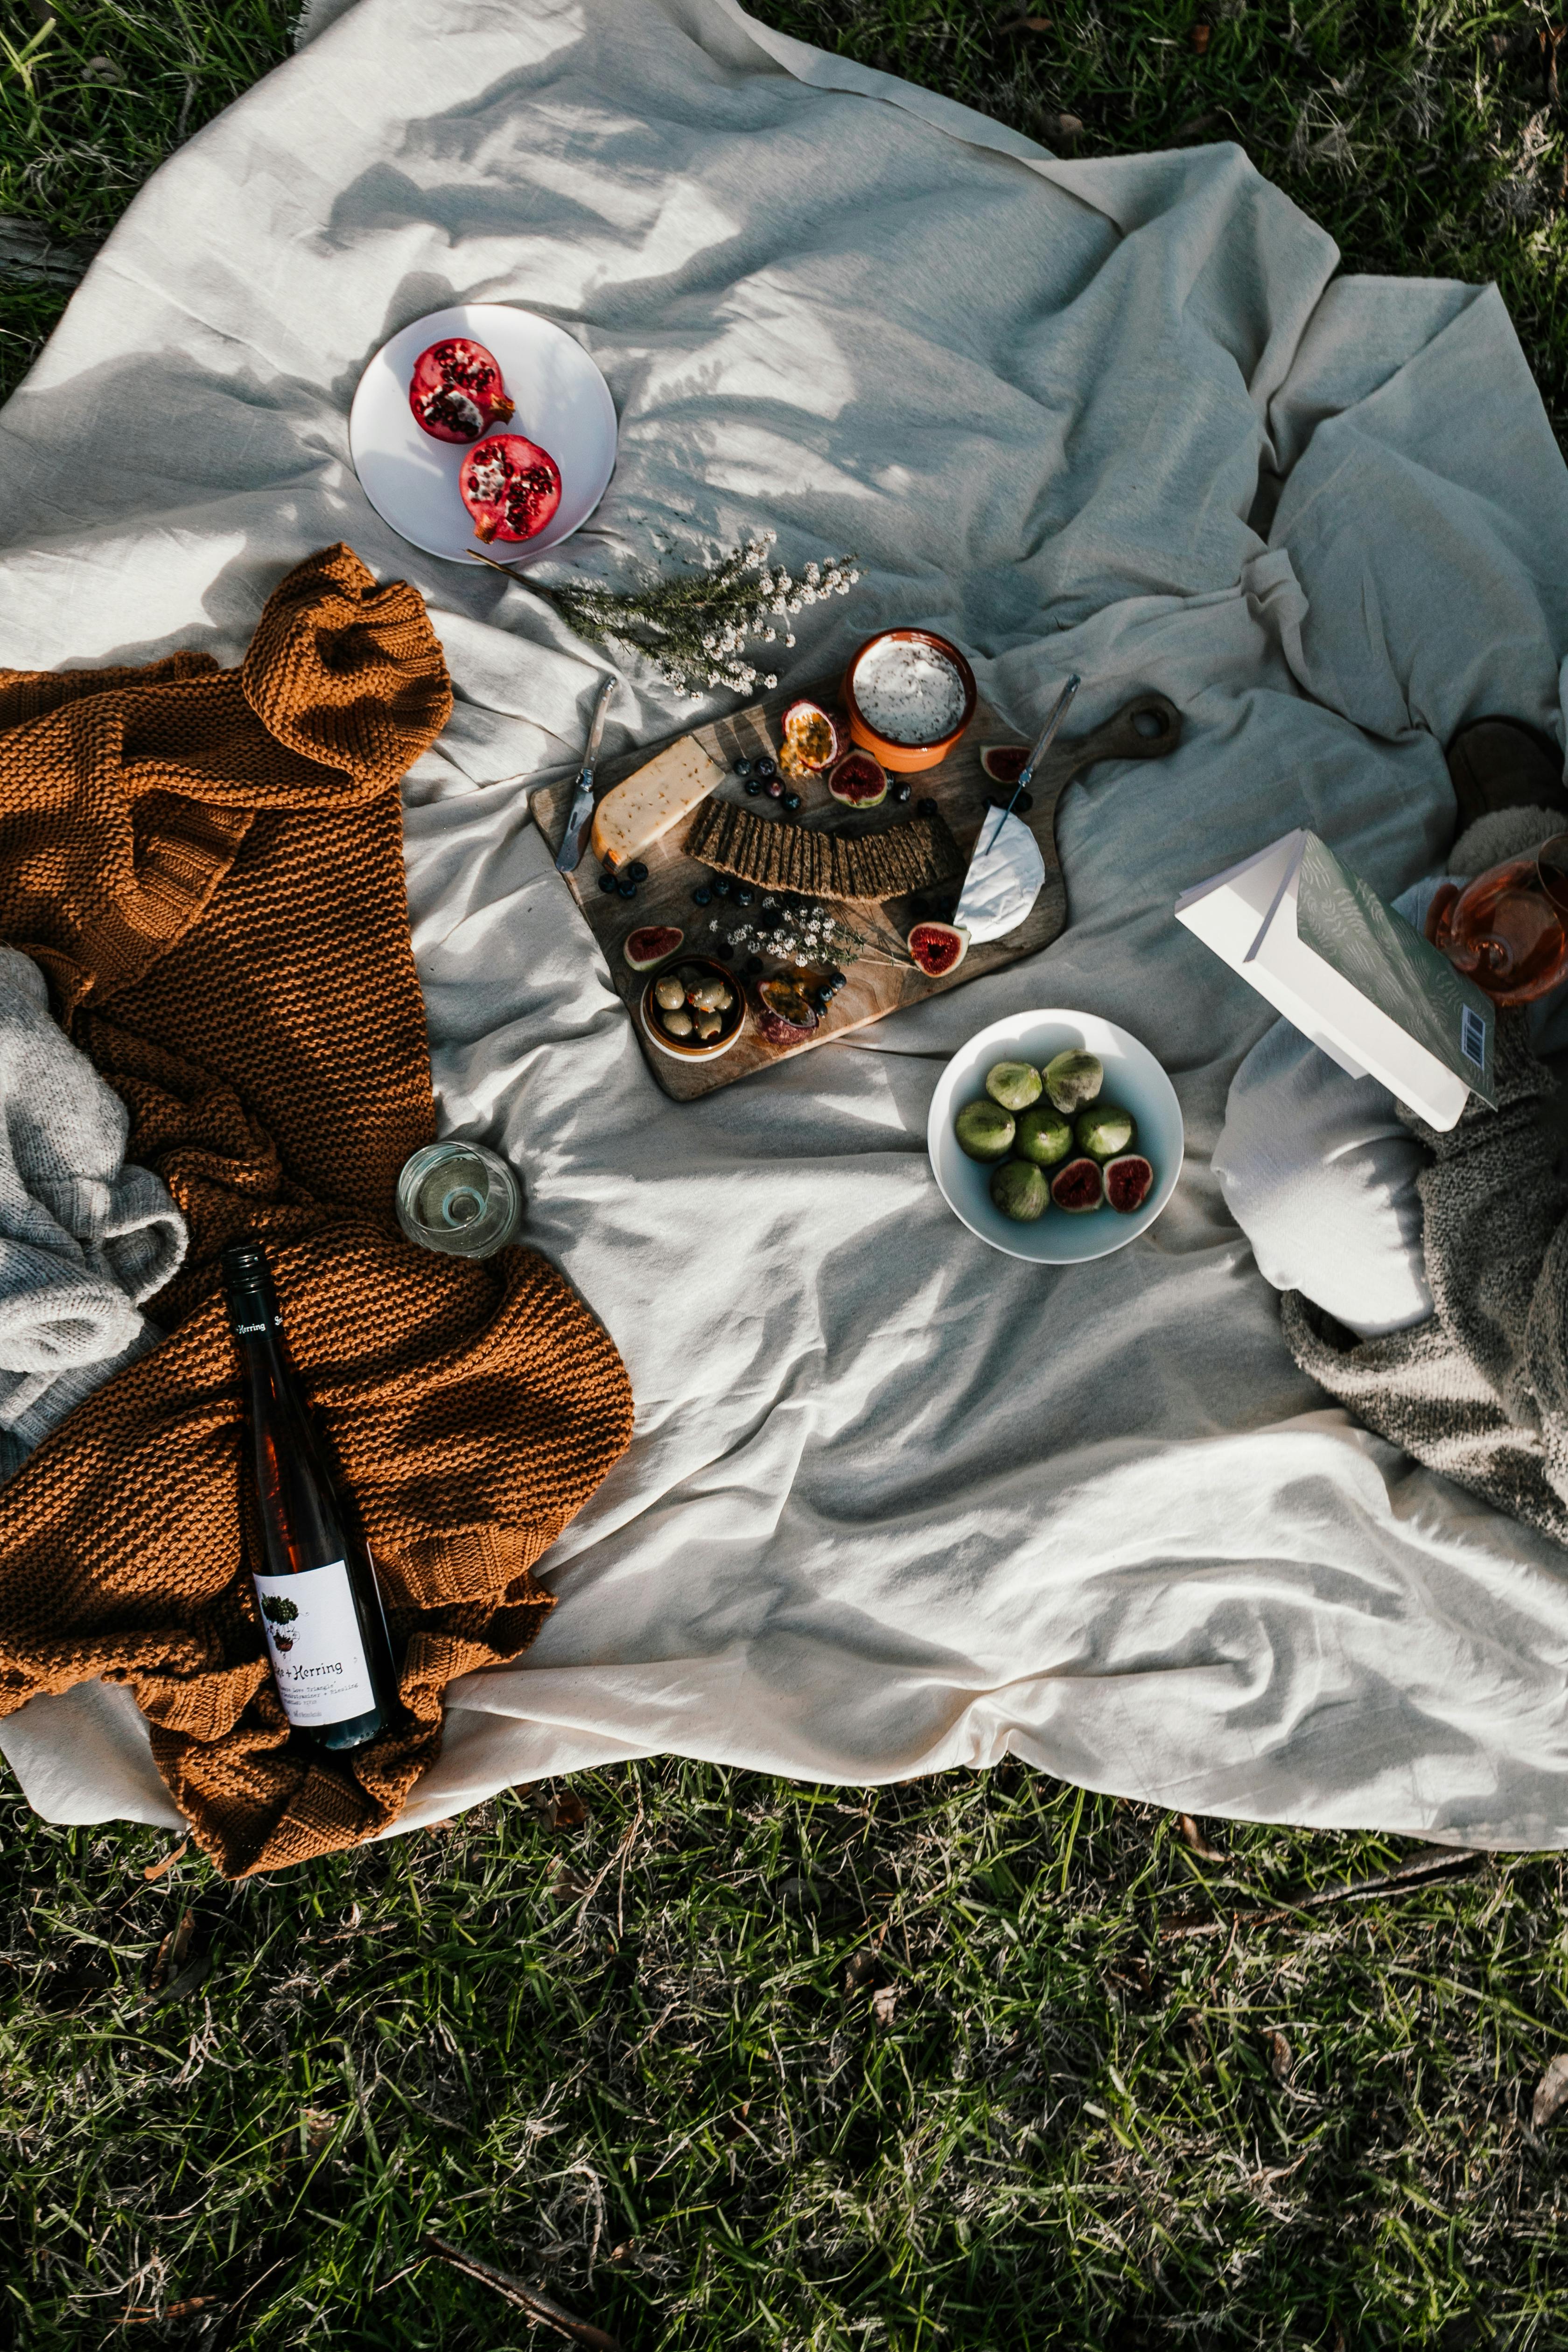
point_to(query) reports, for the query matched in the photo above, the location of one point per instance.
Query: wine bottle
(321, 1605)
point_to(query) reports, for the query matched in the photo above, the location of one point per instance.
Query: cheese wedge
(645, 805)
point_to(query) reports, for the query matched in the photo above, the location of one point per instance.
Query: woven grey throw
(84, 1238)
(1479, 1390)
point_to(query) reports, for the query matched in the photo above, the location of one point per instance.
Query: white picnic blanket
(895, 1502)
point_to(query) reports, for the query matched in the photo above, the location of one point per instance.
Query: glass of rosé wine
(1508, 929)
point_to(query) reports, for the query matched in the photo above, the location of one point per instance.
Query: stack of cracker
(913, 855)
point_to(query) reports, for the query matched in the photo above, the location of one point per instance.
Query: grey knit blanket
(84, 1238)
(1481, 1390)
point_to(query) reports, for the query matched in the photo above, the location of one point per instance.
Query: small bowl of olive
(693, 1009)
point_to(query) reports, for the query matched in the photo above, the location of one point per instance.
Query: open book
(1358, 980)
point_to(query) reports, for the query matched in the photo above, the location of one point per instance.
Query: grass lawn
(723, 2062)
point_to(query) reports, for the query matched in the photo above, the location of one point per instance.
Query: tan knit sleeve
(347, 674)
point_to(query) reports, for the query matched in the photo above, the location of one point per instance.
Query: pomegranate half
(456, 391)
(511, 486)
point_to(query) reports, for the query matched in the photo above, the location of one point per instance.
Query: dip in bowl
(910, 695)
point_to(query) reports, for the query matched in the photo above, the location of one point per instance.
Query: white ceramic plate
(1133, 1079)
(562, 403)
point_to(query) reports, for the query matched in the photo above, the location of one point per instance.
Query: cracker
(912, 853)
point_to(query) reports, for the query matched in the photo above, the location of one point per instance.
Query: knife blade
(582, 808)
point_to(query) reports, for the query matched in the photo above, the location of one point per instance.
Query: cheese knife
(581, 807)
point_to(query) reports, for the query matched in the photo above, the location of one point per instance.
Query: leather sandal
(1501, 763)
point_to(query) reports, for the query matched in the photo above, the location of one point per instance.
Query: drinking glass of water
(459, 1198)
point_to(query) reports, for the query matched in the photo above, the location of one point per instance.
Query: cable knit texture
(1481, 1390)
(208, 864)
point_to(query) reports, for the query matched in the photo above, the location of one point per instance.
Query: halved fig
(811, 740)
(511, 486)
(786, 1017)
(1078, 1187)
(858, 780)
(456, 391)
(938, 948)
(650, 945)
(1003, 762)
(1127, 1181)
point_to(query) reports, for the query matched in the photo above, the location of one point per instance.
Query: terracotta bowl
(908, 758)
(678, 1048)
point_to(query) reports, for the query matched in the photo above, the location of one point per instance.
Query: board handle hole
(1151, 724)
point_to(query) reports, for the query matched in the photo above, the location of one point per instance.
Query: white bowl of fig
(693, 1009)
(1055, 1136)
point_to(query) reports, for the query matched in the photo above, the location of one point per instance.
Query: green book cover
(1341, 918)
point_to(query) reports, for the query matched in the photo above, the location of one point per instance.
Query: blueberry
(743, 768)
(744, 894)
(725, 951)
(902, 791)
(773, 788)
(628, 889)
(792, 800)
(721, 887)
(702, 896)
(754, 964)
(764, 767)
(836, 980)
(928, 808)
(637, 872)
(753, 787)
(606, 881)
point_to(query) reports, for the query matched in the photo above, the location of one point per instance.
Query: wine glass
(1508, 929)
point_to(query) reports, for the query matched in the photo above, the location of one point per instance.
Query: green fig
(1104, 1131)
(1073, 1080)
(1044, 1137)
(1015, 1084)
(985, 1131)
(1019, 1190)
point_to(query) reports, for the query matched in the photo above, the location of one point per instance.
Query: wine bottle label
(318, 1655)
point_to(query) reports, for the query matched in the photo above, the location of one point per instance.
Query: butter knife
(581, 807)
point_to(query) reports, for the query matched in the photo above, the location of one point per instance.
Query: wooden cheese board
(1144, 728)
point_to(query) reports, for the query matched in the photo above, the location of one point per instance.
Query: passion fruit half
(811, 740)
(785, 1017)
(1003, 762)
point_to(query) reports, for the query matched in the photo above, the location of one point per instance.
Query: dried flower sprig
(810, 933)
(694, 626)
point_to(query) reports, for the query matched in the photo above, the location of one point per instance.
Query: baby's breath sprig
(694, 627)
(808, 935)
